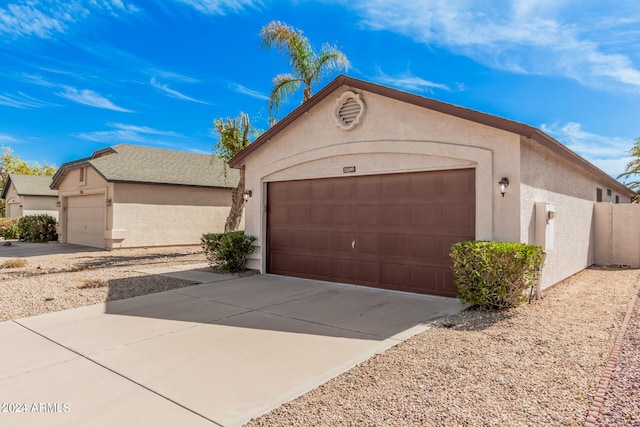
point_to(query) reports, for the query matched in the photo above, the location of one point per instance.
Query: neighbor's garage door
(86, 220)
(387, 231)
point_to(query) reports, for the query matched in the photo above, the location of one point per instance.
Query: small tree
(307, 66)
(632, 170)
(11, 163)
(235, 135)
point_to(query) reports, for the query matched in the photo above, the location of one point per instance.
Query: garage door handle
(353, 244)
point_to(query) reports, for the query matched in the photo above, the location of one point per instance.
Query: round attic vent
(348, 110)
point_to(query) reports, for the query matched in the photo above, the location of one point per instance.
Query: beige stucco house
(29, 195)
(368, 185)
(132, 196)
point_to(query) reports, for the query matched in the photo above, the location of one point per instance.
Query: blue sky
(80, 75)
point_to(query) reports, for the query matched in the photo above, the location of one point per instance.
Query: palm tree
(307, 66)
(234, 136)
(633, 169)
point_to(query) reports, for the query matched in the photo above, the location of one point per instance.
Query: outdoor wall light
(246, 195)
(57, 203)
(109, 202)
(503, 183)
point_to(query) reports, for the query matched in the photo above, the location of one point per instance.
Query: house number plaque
(349, 169)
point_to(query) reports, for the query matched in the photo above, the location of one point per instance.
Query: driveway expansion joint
(89, 359)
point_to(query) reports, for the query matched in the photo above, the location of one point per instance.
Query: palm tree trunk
(237, 205)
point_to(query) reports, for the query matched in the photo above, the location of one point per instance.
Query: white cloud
(4, 138)
(23, 101)
(249, 92)
(174, 93)
(611, 154)
(409, 82)
(91, 98)
(47, 18)
(128, 133)
(566, 38)
(221, 7)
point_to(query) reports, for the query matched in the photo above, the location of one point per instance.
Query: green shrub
(37, 228)
(493, 275)
(9, 228)
(228, 251)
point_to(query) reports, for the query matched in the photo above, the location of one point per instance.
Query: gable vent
(348, 110)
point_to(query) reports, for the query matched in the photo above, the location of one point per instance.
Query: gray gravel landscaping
(68, 280)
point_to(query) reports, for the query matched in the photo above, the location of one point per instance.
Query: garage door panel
(85, 220)
(321, 215)
(367, 215)
(427, 215)
(300, 214)
(367, 273)
(367, 243)
(425, 248)
(319, 241)
(394, 245)
(394, 214)
(426, 279)
(342, 214)
(341, 242)
(403, 226)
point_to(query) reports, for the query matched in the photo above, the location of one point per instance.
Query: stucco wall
(548, 178)
(29, 205)
(37, 205)
(617, 234)
(164, 215)
(393, 137)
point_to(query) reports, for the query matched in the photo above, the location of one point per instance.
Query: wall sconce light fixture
(503, 183)
(246, 195)
(57, 203)
(109, 202)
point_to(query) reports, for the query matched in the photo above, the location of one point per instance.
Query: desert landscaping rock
(538, 365)
(62, 281)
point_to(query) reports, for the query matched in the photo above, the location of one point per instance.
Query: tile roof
(138, 164)
(30, 185)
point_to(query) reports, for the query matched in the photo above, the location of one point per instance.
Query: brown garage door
(388, 231)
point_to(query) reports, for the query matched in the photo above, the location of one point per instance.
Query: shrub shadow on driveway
(287, 304)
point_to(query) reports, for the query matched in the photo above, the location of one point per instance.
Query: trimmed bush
(228, 251)
(37, 228)
(9, 228)
(495, 275)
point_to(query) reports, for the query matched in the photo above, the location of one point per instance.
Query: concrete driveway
(215, 354)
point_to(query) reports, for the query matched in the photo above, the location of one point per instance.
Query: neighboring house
(368, 185)
(132, 196)
(29, 195)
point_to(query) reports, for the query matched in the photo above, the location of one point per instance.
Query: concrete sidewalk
(219, 353)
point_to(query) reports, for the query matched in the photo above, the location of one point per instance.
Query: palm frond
(283, 86)
(288, 41)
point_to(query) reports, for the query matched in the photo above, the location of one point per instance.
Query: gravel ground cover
(538, 365)
(62, 281)
(622, 401)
